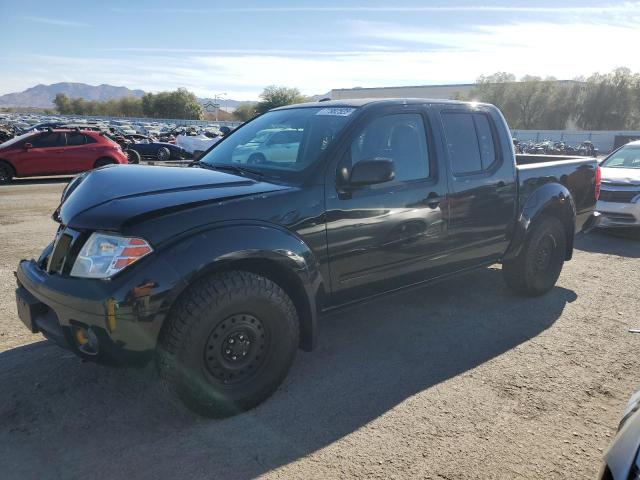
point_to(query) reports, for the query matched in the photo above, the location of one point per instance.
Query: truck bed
(528, 158)
(577, 174)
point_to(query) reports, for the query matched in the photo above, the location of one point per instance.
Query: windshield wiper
(229, 168)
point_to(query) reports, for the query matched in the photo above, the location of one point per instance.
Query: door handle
(433, 200)
(501, 184)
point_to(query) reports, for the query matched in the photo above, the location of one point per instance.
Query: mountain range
(41, 96)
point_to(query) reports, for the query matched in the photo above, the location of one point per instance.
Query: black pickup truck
(220, 271)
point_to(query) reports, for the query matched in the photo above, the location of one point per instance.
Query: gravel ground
(457, 380)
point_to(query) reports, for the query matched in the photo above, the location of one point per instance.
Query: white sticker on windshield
(337, 111)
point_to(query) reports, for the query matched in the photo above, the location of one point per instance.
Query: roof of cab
(361, 102)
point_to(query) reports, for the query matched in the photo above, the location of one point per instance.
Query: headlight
(102, 256)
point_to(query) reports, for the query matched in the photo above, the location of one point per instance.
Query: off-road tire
(190, 365)
(6, 173)
(537, 268)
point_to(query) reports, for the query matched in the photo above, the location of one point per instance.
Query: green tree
(610, 101)
(561, 106)
(128, 107)
(529, 103)
(273, 97)
(62, 103)
(526, 101)
(493, 88)
(78, 106)
(245, 112)
(177, 104)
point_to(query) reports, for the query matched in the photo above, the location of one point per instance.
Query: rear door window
(485, 140)
(470, 142)
(74, 139)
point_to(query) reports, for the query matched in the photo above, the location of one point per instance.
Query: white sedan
(619, 204)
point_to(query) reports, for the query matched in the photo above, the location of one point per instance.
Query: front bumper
(124, 313)
(618, 214)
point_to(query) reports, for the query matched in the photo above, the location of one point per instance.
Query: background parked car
(194, 143)
(619, 203)
(57, 152)
(279, 145)
(149, 147)
(622, 460)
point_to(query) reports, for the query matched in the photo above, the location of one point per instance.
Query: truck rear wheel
(228, 343)
(536, 269)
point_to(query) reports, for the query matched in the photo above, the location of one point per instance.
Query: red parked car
(57, 152)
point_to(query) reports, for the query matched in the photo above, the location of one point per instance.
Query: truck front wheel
(228, 344)
(537, 268)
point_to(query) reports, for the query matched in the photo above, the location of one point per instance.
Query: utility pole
(216, 105)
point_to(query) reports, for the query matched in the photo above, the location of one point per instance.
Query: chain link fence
(604, 140)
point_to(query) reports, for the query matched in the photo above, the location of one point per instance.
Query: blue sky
(239, 47)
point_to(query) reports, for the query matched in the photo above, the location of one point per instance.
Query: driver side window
(398, 137)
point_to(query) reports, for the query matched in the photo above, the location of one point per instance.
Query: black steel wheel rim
(544, 253)
(236, 349)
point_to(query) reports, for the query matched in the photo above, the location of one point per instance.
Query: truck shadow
(622, 244)
(62, 418)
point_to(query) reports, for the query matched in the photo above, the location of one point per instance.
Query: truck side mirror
(372, 171)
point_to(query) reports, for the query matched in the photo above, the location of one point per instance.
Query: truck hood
(112, 197)
(621, 176)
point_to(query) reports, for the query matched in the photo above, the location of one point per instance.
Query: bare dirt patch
(457, 380)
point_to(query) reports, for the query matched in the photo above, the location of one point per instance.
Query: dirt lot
(458, 380)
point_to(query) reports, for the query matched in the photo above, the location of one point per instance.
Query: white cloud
(586, 9)
(402, 56)
(55, 22)
(563, 50)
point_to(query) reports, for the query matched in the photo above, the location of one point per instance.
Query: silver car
(619, 204)
(622, 460)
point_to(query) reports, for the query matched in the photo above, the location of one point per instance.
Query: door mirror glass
(372, 171)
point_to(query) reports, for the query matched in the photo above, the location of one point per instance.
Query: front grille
(65, 248)
(59, 254)
(618, 196)
(620, 217)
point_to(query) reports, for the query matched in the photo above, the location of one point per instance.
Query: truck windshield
(281, 144)
(626, 157)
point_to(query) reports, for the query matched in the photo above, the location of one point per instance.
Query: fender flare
(253, 247)
(551, 197)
